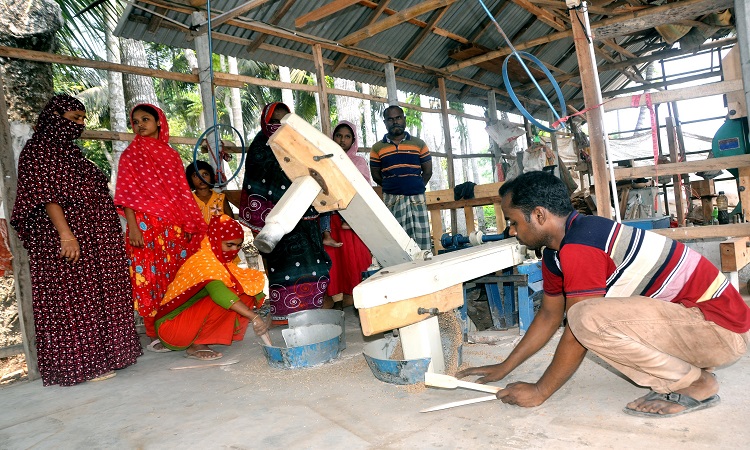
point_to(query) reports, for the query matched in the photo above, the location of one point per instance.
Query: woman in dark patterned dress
(297, 268)
(65, 217)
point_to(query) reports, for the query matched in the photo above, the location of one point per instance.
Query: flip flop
(688, 402)
(105, 376)
(216, 355)
(152, 347)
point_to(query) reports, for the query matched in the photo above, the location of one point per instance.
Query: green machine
(731, 140)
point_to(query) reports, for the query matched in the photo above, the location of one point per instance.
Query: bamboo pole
(592, 95)
(325, 112)
(21, 270)
(448, 146)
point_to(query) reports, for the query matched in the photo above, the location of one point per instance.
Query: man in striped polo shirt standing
(401, 163)
(654, 309)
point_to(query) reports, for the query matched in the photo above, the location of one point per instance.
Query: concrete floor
(341, 405)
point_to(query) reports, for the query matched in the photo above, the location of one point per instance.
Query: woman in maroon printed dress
(65, 217)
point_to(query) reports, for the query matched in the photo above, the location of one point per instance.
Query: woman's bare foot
(202, 352)
(703, 388)
(328, 302)
(345, 226)
(329, 241)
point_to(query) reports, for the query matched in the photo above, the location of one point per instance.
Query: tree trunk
(138, 89)
(236, 103)
(349, 108)
(369, 138)
(117, 112)
(643, 114)
(287, 96)
(192, 61)
(28, 25)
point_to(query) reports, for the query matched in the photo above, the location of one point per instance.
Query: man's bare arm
(377, 175)
(426, 172)
(547, 320)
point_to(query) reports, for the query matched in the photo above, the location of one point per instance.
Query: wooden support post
(743, 189)
(324, 110)
(390, 84)
(203, 54)
(492, 113)
(499, 218)
(436, 222)
(448, 146)
(707, 207)
(527, 127)
(492, 106)
(592, 95)
(553, 139)
(742, 25)
(674, 154)
(469, 215)
(22, 274)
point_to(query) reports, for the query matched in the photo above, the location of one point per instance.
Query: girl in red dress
(165, 226)
(349, 255)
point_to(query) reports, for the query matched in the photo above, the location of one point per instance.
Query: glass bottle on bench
(722, 203)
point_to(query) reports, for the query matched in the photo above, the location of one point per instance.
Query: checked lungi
(411, 213)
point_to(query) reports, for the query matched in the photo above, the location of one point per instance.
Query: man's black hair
(202, 165)
(538, 188)
(388, 108)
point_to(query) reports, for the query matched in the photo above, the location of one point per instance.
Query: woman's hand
(69, 249)
(259, 325)
(135, 237)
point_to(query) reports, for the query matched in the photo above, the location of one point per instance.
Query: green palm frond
(96, 101)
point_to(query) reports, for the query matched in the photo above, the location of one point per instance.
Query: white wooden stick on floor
(459, 403)
(198, 366)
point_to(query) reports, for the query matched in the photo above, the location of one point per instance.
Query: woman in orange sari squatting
(165, 225)
(212, 300)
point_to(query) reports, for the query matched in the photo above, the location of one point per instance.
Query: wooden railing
(484, 194)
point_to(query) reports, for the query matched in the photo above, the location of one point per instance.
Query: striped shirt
(602, 258)
(400, 164)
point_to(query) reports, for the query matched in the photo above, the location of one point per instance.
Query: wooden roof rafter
(277, 16)
(426, 31)
(560, 7)
(622, 30)
(542, 14)
(414, 21)
(614, 26)
(396, 19)
(236, 12)
(599, 50)
(323, 12)
(365, 54)
(373, 18)
(639, 60)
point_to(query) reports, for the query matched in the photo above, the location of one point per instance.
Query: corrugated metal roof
(461, 21)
